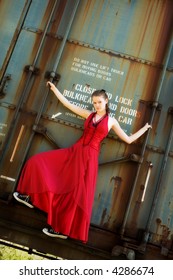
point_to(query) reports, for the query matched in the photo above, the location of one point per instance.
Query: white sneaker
(25, 199)
(50, 232)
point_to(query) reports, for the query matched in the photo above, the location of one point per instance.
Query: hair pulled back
(101, 92)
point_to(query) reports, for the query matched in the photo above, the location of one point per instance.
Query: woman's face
(99, 103)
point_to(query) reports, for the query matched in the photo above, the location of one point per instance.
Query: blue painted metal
(11, 17)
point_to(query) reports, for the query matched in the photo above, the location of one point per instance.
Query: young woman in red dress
(62, 182)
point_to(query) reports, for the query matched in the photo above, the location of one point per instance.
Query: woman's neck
(100, 114)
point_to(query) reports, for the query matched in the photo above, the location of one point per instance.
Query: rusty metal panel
(23, 68)
(133, 28)
(121, 46)
(90, 69)
(11, 16)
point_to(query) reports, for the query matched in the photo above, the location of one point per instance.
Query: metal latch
(4, 84)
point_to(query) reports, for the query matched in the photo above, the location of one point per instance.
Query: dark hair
(101, 92)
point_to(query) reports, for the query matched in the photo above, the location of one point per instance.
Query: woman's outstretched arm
(122, 135)
(75, 109)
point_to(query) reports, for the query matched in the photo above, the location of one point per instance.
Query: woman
(62, 182)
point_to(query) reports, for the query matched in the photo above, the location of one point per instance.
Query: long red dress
(62, 182)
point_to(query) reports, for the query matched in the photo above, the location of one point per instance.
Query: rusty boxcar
(125, 47)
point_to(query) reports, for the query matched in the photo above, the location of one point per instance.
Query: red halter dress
(62, 182)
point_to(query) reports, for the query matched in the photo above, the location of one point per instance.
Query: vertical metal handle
(17, 143)
(146, 181)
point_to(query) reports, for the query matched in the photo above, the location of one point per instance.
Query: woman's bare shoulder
(113, 121)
